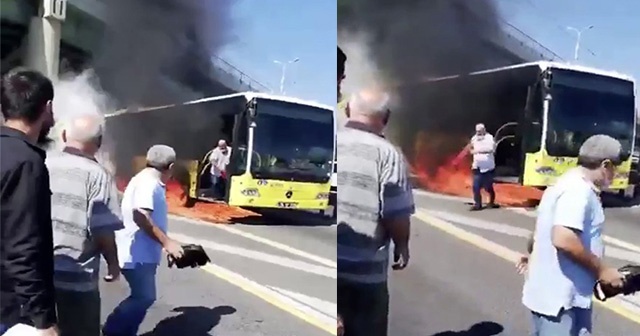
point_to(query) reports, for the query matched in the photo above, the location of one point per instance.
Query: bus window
(293, 141)
(584, 105)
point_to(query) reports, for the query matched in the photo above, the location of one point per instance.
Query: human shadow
(479, 329)
(192, 321)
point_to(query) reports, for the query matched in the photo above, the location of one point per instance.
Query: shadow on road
(277, 217)
(192, 321)
(478, 329)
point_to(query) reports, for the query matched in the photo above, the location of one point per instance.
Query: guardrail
(234, 78)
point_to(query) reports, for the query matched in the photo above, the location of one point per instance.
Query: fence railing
(236, 79)
(525, 41)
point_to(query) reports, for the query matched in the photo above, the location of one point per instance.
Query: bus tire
(190, 202)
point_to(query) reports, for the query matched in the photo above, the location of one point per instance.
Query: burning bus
(540, 114)
(282, 148)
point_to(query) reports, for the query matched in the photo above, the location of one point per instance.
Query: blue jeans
(126, 318)
(3, 328)
(572, 322)
(483, 181)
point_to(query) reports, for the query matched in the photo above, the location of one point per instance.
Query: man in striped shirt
(85, 213)
(375, 203)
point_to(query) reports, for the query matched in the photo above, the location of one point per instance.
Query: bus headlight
(250, 192)
(322, 196)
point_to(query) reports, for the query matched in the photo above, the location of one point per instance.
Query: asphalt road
(462, 281)
(278, 277)
(259, 283)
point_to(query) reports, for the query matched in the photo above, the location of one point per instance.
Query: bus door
(239, 145)
(530, 129)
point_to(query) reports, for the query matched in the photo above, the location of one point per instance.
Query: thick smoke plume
(152, 53)
(398, 44)
(77, 95)
(148, 42)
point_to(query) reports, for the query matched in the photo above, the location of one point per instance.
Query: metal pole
(284, 71)
(576, 52)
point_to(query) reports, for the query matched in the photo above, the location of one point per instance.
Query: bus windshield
(294, 142)
(585, 104)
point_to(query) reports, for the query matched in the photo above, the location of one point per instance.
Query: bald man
(219, 160)
(85, 213)
(374, 207)
(482, 149)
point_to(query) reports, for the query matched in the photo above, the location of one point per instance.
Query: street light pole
(578, 38)
(284, 71)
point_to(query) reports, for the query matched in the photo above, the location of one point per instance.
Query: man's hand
(611, 277)
(400, 257)
(51, 331)
(113, 273)
(173, 248)
(522, 266)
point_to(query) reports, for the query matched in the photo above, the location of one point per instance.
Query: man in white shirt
(566, 258)
(140, 243)
(482, 149)
(219, 160)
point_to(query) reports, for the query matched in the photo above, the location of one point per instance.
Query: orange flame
(451, 174)
(210, 212)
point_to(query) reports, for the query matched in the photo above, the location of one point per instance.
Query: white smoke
(77, 95)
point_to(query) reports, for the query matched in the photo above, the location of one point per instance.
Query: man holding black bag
(140, 243)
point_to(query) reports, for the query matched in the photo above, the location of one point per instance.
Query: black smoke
(148, 42)
(410, 40)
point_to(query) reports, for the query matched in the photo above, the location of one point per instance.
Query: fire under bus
(540, 113)
(282, 148)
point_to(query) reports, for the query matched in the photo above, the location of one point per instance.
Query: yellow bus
(540, 113)
(282, 148)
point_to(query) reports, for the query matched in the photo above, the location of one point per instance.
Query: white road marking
(262, 240)
(329, 309)
(529, 212)
(256, 255)
(611, 251)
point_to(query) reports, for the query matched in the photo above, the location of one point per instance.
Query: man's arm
(530, 242)
(28, 234)
(142, 208)
(396, 199)
(571, 209)
(105, 216)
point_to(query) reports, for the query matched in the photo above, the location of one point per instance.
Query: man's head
(370, 107)
(162, 158)
(26, 101)
(84, 132)
(342, 60)
(600, 155)
(222, 145)
(481, 130)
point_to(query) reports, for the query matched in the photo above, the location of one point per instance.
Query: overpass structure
(54, 36)
(510, 43)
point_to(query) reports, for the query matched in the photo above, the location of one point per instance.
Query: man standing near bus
(219, 159)
(567, 248)
(483, 168)
(375, 204)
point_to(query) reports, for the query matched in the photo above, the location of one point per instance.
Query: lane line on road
(259, 256)
(621, 308)
(607, 239)
(529, 213)
(297, 309)
(262, 240)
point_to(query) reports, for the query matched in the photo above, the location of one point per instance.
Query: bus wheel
(190, 202)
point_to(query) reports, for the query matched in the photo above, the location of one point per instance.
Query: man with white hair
(219, 159)
(567, 252)
(483, 167)
(140, 243)
(375, 204)
(84, 213)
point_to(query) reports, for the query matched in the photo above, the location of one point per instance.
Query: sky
(268, 30)
(612, 44)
